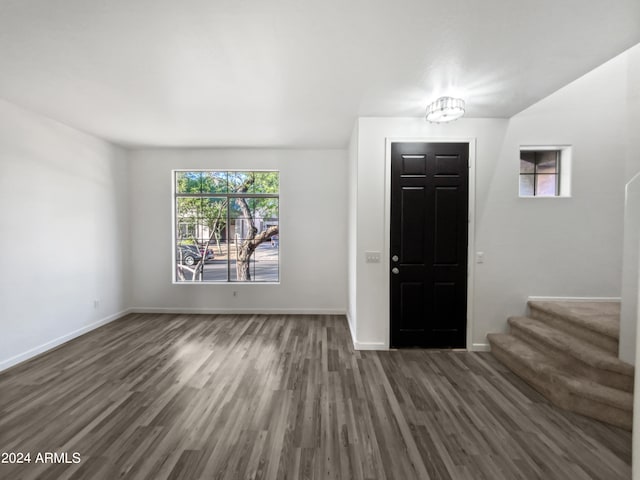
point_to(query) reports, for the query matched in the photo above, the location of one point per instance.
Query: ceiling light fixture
(445, 109)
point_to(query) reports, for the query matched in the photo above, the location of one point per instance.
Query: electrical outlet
(235, 293)
(96, 304)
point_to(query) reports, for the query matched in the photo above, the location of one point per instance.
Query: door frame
(386, 260)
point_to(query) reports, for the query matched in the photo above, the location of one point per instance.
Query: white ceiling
(292, 73)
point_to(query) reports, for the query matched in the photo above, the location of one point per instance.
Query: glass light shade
(445, 109)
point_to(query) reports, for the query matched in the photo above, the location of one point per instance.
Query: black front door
(429, 230)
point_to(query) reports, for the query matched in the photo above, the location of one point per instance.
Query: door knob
(395, 270)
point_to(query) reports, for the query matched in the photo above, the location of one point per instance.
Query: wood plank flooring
(285, 397)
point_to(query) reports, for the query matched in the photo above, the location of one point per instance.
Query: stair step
(595, 322)
(575, 355)
(572, 393)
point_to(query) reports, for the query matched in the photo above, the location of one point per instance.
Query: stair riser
(604, 413)
(603, 377)
(521, 370)
(559, 396)
(604, 342)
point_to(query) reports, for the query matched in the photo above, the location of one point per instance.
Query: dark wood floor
(285, 397)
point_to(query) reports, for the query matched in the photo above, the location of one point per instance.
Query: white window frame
(175, 195)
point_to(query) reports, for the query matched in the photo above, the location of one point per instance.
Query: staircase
(568, 351)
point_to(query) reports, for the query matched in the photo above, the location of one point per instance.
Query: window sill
(225, 283)
(541, 196)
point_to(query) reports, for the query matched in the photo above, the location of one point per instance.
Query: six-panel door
(429, 230)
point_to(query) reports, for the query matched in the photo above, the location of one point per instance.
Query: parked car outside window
(188, 255)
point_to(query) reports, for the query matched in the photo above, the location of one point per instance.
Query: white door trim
(472, 217)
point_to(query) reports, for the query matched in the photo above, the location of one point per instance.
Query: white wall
(352, 219)
(313, 239)
(630, 272)
(64, 233)
(631, 255)
(567, 247)
(372, 278)
(628, 322)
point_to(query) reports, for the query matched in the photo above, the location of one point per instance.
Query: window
(226, 226)
(544, 171)
(539, 173)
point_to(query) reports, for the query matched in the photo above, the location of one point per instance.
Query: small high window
(544, 171)
(540, 173)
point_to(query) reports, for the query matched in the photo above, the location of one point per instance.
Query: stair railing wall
(630, 272)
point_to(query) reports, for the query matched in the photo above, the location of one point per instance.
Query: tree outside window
(226, 226)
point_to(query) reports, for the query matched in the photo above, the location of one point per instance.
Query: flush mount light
(445, 109)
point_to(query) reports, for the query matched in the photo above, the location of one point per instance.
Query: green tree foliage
(251, 208)
(194, 212)
(209, 209)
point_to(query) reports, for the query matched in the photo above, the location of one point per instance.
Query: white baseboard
(370, 345)
(573, 299)
(239, 311)
(364, 345)
(351, 331)
(32, 352)
(480, 347)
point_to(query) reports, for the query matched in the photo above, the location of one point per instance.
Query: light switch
(372, 257)
(479, 257)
